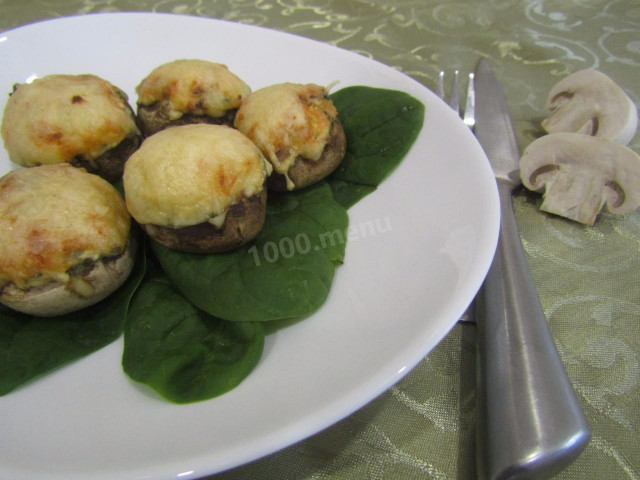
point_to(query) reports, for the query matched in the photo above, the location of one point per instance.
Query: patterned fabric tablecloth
(587, 277)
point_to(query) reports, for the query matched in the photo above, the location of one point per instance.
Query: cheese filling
(196, 87)
(52, 219)
(57, 117)
(192, 174)
(286, 121)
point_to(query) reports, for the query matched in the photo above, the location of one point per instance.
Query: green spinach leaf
(180, 351)
(32, 346)
(285, 272)
(381, 126)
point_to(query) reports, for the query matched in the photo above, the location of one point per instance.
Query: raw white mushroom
(578, 175)
(589, 102)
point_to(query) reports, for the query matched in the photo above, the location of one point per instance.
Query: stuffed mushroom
(297, 129)
(65, 240)
(198, 188)
(189, 91)
(78, 119)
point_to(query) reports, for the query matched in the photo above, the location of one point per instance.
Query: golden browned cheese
(192, 174)
(197, 87)
(286, 121)
(57, 117)
(54, 217)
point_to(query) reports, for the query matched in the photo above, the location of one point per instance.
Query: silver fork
(468, 117)
(468, 114)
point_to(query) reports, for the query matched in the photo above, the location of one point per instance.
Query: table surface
(587, 277)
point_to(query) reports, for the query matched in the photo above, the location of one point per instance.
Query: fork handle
(530, 424)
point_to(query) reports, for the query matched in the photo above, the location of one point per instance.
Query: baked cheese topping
(286, 121)
(57, 117)
(54, 217)
(197, 87)
(192, 174)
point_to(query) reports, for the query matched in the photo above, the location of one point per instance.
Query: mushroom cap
(187, 91)
(190, 174)
(579, 174)
(57, 118)
(287, 121)
(193, 86)
(65, 239)
(55, 217)
(589, 102)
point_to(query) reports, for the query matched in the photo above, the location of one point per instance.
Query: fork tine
(469, 117)
(454, 99)
(440, 85)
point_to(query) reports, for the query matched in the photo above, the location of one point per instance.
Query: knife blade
(529, 421)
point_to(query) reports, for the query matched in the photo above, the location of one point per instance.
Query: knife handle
(529, 421)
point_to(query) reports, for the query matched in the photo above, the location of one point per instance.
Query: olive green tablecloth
(587, 278)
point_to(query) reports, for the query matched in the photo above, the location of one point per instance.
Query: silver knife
(529, 421)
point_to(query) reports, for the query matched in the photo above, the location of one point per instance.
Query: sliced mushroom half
(589, 102)
(578, 175)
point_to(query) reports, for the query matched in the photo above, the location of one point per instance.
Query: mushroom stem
(579, 196)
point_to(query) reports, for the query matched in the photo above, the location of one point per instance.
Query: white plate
(419, 249)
